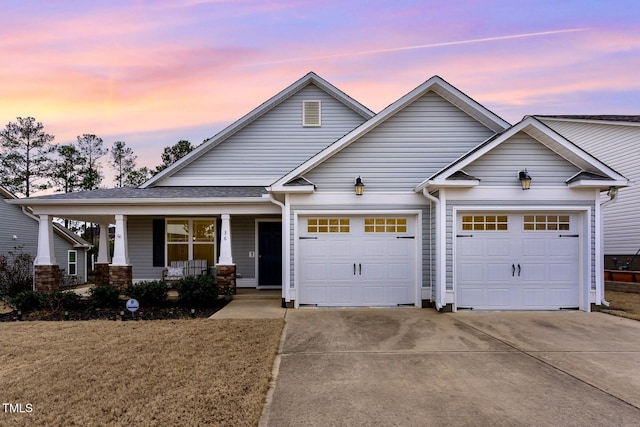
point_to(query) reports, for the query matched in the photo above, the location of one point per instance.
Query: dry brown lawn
(624, 304)
(180, 373)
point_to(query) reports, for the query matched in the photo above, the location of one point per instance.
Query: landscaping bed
(170, 310)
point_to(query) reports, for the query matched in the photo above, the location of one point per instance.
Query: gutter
(436, 201)
(613, 196)
(284, 237)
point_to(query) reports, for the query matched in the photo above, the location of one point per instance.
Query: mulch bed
(169, 311)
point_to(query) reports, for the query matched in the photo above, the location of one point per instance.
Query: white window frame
(74, 263)
(190, 241)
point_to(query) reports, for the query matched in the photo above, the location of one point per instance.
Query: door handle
(354, 268)
(360, 267)
(519, 269)
(513, 270)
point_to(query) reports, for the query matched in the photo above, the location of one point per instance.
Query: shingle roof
(159, 193)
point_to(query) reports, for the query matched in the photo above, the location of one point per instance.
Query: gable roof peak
(257, 112)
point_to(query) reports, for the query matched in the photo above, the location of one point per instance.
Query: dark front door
(270, 254)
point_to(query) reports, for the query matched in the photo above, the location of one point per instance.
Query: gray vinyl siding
(403, 151)
(140, 230)
(25, 228)
(616, 146)
(501, 165)
(451, 231)
(376, 210)
(276, 142)
(140, 238)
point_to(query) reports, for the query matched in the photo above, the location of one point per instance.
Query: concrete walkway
(410, 367)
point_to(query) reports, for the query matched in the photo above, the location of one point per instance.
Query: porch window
(191, 239)
(72, 263)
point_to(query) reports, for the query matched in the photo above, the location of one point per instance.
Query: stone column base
(120, 276)
(101, 273)
(226, 277)
(47, 278)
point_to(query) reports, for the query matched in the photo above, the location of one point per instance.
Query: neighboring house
(19, 232)
(442, 220)
(616, 141)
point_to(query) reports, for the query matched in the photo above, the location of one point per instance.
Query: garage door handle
(513, 270)
(519, 269)
(360, 268)
(307, 238)
(354, 268)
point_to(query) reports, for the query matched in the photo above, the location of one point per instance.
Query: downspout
(285, 236)
(613, 196)
(436, 201)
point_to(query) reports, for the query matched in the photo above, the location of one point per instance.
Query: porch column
(104, 258)
(226, 269)
(46, 275)
(225, 241)
(120, 272)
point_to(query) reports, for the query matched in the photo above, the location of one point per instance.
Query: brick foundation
(226, 277)
(120, 276)
(47, 278)
(101, 273)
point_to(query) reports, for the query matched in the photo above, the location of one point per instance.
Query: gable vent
(311, 113)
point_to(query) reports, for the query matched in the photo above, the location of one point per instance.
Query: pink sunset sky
(153, 72)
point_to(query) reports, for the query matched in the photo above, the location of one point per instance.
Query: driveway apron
(409, 367)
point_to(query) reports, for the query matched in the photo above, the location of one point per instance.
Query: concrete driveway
(413, 367)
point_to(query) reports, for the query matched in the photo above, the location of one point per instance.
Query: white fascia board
(432, 184)
(138, 202)
(597, 183)
(589, 121)
(298, 189)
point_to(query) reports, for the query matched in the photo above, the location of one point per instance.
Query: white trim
(543, 135)
(190, 243)
(584, 244)
(417, 214)
(305, 103)
(69, 263)
(590, 121)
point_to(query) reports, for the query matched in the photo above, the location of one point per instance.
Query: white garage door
(517, 261)
(357, 260)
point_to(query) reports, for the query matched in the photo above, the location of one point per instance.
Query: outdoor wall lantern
(359, 186)
(525, 179)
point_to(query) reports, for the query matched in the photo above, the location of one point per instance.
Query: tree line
(30, 161)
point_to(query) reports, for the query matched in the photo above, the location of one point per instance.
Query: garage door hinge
(568, 235)
(464, 235)
(405, 237)
(307, 238)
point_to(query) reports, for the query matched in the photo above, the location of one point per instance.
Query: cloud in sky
(153, 72)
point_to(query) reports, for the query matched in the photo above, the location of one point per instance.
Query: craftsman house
(434, 201)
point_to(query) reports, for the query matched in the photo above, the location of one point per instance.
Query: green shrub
(104, 296)
(197, 291)
(67, 300)
(28, 300)
(148, 294)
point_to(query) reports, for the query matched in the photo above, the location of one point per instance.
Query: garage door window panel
(328, 225)
(485, 223)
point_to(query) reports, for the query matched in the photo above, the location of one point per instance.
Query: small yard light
(359, 186)
(66, 315)
(193, 312)
(525, 179)
(19, 314)
(122, 316)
